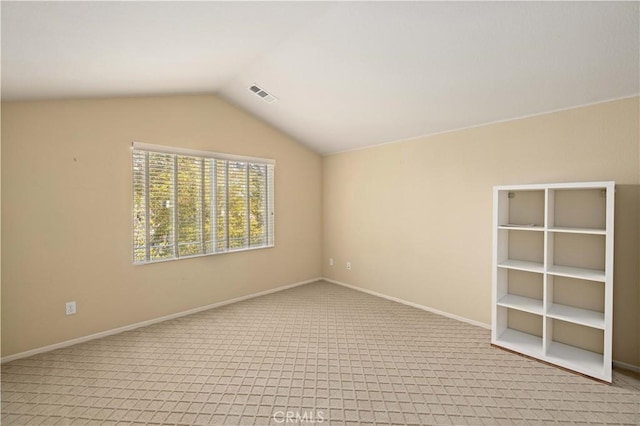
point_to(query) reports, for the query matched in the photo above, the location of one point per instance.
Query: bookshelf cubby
(553, 273)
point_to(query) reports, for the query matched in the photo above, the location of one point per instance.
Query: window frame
(269, 221)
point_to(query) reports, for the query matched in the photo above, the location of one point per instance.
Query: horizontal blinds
(258, 214)
(270, 230)
(141, 146)
(190, 205)
(220, 208)
(140, 204)
(237, 199)
(161, 217)
(187, 205)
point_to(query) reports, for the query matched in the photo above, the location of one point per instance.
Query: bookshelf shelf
(521, 303)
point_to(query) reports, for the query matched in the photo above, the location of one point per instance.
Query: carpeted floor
(314, 354)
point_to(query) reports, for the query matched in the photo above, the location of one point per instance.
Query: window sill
(150, 262)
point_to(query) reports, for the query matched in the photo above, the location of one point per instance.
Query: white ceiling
(346, 75)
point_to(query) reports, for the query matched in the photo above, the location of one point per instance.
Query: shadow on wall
(626, 274)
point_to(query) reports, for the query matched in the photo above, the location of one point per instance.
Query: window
(193, 203)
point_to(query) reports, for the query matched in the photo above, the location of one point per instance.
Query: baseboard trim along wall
(626, 366)
(618, 364)
(414, 305)
(129, 327)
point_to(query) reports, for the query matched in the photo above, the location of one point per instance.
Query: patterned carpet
(314, 354)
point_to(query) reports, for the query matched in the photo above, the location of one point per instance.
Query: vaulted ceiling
(345, 75)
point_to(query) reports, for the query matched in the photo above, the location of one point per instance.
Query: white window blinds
(191, 203)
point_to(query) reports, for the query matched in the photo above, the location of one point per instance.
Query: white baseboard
(129, 327)
(414, 305)
(626, 366)
(618, 364)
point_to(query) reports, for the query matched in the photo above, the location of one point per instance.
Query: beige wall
(414, 217)
(66, 215)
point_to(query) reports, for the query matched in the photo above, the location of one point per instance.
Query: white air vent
(267, 97)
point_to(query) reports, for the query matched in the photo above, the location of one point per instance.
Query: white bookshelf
(553, 273)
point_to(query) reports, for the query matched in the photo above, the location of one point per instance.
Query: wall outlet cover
(70, 308)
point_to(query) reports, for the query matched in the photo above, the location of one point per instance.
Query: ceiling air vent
(267, 97)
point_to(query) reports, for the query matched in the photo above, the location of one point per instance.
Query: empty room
(340, 213)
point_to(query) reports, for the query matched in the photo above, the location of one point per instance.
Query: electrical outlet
(70, 308)
(348, 265)
(331, 261)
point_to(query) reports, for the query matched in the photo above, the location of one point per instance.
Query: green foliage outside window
(186, 206)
